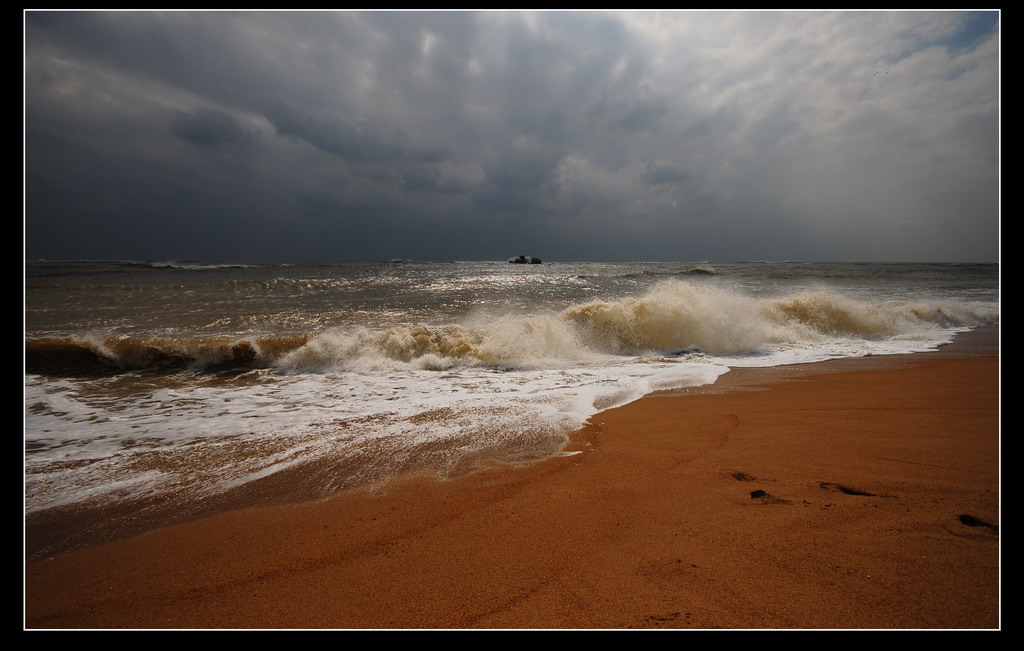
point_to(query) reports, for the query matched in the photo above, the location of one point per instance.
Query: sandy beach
(859, 493)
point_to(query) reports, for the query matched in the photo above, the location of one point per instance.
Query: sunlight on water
(172, 387)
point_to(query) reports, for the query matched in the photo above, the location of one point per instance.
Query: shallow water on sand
(160, 391)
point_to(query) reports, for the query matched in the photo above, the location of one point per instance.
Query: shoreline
(825, 495)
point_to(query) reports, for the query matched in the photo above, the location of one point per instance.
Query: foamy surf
(671, 318)
(387, 370)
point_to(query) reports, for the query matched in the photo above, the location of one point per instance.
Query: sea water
(159, 391)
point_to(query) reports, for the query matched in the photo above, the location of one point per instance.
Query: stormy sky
(480, 135)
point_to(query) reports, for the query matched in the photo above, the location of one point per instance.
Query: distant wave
(702, 270)
(199, 266)
(157, 264)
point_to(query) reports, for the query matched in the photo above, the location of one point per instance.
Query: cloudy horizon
(845, 136)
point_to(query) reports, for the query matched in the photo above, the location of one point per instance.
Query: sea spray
(167, 391)
(674, 316)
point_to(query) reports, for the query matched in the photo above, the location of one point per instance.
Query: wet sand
(850, 494)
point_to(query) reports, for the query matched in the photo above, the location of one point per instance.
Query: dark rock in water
(525, 259)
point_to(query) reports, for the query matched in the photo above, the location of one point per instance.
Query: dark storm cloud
(660, 174)
(641, 115)
(788, 135)
(209, 127)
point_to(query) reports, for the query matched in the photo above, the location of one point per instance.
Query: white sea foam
(356, 402)
(672, 318)
(188, 432)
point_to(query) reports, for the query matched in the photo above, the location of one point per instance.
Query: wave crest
(673, 317)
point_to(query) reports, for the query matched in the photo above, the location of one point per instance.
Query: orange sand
(735, 507)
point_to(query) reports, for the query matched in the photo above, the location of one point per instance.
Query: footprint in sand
(846, 490)
(972, 521)
(764, 497)
(742, 476)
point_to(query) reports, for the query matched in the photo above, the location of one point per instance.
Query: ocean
(157, 392)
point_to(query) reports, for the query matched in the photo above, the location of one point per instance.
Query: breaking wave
(672, 318)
